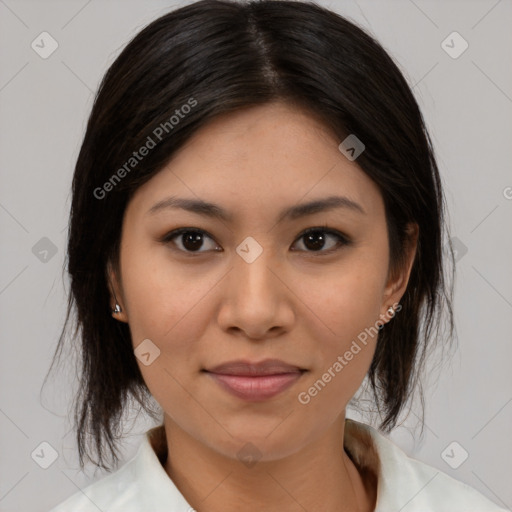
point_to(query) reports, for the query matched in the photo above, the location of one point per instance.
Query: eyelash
(342, 239)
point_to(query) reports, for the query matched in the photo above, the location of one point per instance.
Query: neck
(320, 477)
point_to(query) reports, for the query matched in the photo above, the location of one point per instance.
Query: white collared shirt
(403, 484)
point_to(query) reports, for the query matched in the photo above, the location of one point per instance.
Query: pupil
(319, 240)
(190, 240)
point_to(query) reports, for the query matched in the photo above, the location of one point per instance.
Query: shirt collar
(359, 441)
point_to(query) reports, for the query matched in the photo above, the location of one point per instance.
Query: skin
(300, 305)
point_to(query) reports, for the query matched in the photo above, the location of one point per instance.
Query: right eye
(188, 240)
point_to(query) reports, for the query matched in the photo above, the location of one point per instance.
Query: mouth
(253, 381)
(241, 367)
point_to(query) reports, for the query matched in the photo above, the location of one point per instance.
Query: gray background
(44, 104)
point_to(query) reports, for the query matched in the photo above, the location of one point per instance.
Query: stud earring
(117, 309)
(391, 310)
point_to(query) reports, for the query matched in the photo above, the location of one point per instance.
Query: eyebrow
(215, 211)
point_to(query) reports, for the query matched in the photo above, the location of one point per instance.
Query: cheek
(159, 295)
(343, 356)
(172, 308)
(341, 304)
(342, 312)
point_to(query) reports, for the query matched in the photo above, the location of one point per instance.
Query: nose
(256, 299)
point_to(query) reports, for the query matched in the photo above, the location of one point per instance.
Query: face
(252, 285)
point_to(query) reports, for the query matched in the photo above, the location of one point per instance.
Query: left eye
(192, 239)
(316, 237)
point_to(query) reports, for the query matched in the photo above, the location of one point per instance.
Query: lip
(242, 367)
(256, 389)
(255, 381)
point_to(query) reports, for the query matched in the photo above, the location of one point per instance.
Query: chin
(256, 443)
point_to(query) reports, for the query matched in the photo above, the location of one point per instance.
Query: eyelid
(343, 240)
(167, 238)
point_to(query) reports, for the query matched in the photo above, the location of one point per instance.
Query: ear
(116, 293)
(398, 280)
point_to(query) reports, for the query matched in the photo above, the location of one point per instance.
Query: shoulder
(140, 484)
(409, 485)
(112, 492)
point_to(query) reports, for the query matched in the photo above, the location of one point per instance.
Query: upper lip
(244, 367)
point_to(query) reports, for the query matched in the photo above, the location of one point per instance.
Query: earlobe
(117, 307)
(118, 313)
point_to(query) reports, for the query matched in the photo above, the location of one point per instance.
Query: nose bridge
(254, 298)
(252, 266)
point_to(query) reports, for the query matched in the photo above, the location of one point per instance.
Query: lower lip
(256, 388)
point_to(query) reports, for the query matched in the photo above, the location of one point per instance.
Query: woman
(256, 231)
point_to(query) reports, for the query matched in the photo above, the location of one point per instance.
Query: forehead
(258, 158)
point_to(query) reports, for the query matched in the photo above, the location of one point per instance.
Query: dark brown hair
(218, 56)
